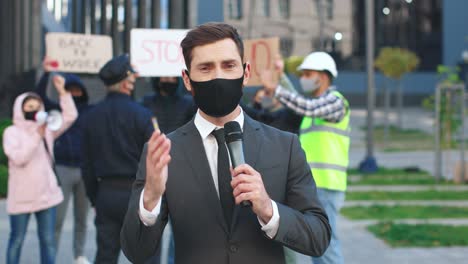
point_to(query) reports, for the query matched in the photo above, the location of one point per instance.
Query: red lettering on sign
(175, 46)
(161, 51)
(144, 46)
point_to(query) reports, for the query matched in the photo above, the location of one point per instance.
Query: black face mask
(257, 106)
(168, 88)
(30, 115)
(217, 97)
(79, 100)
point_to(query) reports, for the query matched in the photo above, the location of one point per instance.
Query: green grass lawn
(416, 195)
(403, 212)
(406, 139)
(394, 180)
(382, 171)
(385, 176)
(4, 123)
(402, 139)
(423, 235)
(3, 180)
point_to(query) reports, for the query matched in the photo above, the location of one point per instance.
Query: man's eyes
(228, 66)
(204, 69)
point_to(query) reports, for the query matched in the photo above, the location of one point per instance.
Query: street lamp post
(369, 164)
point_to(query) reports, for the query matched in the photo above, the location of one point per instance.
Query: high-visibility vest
(326, 146)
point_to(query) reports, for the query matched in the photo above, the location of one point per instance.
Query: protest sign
(78, 53)
(261, 54)
(157, 52)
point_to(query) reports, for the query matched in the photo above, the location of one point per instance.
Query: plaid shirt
(327, 106)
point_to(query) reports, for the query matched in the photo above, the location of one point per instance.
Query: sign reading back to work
(78, 53)
(157, 52)
(261, 54)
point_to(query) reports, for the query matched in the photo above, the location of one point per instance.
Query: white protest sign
(157, 52)
(79, 53)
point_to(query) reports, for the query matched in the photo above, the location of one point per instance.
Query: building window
(235, 9)
(414, 25)
(286, 46)
(330, 9)
(284, 8)
(266, 8)
(325, 8)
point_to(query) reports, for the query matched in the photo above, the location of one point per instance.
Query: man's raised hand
(157, 160)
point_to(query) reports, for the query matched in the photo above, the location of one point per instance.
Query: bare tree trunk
(400, 104)
(387, 94)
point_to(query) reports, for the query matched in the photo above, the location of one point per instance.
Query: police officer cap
(116, 70)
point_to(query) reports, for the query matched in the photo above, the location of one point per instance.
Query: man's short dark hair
(209, 33)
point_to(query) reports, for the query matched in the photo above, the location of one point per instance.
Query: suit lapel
(252, 149)
(196, 156)
(252, 141)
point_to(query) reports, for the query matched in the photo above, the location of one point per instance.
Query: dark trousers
(111, 206)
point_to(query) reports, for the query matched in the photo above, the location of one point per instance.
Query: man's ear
(246, 73)
(122, 86)
(186, 79)
(324, 79)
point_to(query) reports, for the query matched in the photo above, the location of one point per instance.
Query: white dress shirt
(205, 128)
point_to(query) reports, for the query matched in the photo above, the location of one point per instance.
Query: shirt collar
(205, 127)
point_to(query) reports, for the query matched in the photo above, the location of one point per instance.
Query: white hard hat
(319, 61)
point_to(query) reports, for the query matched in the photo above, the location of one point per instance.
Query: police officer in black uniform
(114, 134)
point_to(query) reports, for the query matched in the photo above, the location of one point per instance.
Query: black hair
(29, 97)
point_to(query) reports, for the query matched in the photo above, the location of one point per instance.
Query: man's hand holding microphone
(247, 183)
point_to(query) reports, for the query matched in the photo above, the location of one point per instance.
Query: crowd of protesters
(92, 157)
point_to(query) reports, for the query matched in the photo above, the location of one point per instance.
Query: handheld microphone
(233, 137)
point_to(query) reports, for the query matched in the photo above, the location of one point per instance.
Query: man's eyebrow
(229, 61)
(204, 63)
(210, 63)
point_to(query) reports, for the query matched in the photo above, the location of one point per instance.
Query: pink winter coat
(32, 185)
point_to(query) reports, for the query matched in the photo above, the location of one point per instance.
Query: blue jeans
(45, 230)
(331, 202)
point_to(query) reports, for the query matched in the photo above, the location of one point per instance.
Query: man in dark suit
(186, 175)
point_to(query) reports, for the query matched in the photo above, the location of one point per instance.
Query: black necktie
(224, 177)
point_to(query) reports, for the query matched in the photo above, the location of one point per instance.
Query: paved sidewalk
(360, 246)
(30, 251)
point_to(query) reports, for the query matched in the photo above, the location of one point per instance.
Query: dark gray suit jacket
(201, 235)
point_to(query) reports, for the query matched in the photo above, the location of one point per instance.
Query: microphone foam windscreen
(232, 131)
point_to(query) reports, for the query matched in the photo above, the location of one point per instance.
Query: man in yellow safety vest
(324, 136)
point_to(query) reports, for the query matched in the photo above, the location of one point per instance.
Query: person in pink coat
(32, 183)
